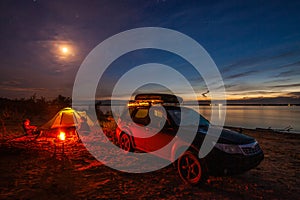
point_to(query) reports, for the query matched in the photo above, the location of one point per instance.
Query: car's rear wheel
(190, 168)
(125, 143)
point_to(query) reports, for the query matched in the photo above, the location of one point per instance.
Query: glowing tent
(66, 120)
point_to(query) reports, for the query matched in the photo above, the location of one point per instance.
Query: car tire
(125, 143)
(191, 169)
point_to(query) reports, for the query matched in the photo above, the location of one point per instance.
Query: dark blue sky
(255, 44)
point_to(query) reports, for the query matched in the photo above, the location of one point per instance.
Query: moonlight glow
(64, 50)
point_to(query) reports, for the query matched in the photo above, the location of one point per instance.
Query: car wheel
(125, 143)
(190, 168)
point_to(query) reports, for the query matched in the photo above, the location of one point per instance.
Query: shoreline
(275, 131)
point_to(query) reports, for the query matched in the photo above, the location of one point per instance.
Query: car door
(158, 133)
(138, 129)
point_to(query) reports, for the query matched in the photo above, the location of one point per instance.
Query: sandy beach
(30, 170)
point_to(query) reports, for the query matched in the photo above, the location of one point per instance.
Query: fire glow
(62, 136)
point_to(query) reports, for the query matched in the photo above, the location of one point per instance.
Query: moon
(64, 50)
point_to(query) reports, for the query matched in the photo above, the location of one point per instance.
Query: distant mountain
(261, 101)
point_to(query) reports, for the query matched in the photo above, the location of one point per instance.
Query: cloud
(294, 64)
(21, 89)
(242, 74)
(286, 85)
(288, 73)
(10, 83)
(265, 60)
(294, 94)
(279, 80)
(259, 92)
(266, 100)
(239, 86)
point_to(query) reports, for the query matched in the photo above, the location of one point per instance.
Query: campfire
(62, 136)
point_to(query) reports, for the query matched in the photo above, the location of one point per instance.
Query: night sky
(255, 44)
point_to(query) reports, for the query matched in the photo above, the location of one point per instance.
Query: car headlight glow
(229, 148)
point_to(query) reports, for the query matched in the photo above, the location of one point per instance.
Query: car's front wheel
(125, 143)
(190, 168)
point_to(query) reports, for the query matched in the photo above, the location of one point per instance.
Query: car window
(141, 116)
(141, 113)
(190, 113)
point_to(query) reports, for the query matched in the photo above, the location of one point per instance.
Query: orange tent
(66, 120)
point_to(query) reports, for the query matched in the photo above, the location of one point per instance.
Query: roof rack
(135, 103)
(166, 98)
(150, 99)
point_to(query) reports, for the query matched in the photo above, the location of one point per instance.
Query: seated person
(29, 129)
(83, 126)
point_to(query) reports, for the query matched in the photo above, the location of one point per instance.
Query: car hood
(227, 136)
(232, 137)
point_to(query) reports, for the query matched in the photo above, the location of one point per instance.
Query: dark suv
(232, 153)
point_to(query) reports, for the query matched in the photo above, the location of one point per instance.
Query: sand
(30, 170)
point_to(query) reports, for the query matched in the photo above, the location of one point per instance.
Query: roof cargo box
(167, 98)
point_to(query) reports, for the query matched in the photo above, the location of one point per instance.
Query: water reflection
(275, 117)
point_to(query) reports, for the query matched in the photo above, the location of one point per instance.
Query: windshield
(190, 113)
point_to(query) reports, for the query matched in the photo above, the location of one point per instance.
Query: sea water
(274, 117)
